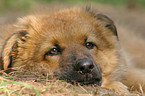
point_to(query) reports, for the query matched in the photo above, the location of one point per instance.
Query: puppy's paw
(118, 87)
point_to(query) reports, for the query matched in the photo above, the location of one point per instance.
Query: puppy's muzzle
(89, 71)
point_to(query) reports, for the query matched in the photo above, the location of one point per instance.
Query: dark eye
(53, 51)
(90, 45)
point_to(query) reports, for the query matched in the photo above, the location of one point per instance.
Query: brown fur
(35, 35)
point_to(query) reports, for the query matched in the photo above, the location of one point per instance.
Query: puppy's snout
(84, 66)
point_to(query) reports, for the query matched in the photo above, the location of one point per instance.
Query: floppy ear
(108, 23)
(104, 19)
(9, 49)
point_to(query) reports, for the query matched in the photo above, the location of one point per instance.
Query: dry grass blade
(21, 84)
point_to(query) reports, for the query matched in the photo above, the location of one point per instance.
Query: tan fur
(68, 27)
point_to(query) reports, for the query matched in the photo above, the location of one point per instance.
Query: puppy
(77, 45)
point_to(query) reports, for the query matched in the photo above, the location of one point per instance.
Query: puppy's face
(69, 48)
(76, 45)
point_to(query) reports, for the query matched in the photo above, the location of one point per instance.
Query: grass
(21, 88)
(3, 87)
(7, 87)
(11, 86)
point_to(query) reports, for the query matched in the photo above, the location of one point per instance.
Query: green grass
(3, 87)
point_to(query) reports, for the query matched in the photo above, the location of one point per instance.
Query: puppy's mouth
(90, 80)
(86, 79)
(75, 77)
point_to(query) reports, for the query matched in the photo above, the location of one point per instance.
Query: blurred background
(128, 13)
(25, 5)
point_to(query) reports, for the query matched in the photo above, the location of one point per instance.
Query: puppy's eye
(90, 45)
(53, 51)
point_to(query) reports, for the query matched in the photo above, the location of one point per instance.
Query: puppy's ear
(108, 23)
(10, 49)
(7, 48)
(16, 40)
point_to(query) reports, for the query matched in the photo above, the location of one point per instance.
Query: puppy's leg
(135, 79)
(115, 86)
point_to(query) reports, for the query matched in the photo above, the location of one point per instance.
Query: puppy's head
(77, 45)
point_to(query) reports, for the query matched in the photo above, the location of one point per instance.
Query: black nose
(84, 66)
